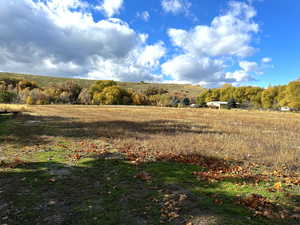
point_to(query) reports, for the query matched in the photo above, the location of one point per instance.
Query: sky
(201, 42)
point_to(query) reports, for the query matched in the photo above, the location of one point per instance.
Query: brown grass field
(119, 165)
(268, 138)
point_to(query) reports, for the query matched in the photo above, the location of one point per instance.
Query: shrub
(154, 100)
(23, 84)
(7, 96)
(139, 99)
(109, 96)
(232, 103)
(65, 97)
(70, 92)
(99, 86)
(10, 82)
(29, 101)
(126, 100)
(185, 101)
(165, 100)
(37, 96)
(174, 102)
(150, 91)
(85, 97)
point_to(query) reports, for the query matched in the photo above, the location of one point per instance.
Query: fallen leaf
(277, 186)
(143, 176)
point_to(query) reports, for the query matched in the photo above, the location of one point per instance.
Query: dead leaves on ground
(172, 204)
(218, 170)
(15, 163)
(262, 206)
(143, 176)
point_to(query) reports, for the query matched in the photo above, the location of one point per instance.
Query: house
(217, 104)
(285, 109)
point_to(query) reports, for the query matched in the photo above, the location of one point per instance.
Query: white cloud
(151, 55)
(249, 66)
(189, 68)
(239, 76)
(266, 60)
(136, 67)
(229, 34)
(62, 38)
(144, 15)
(206, 51)
(176, 6)
(110, 7)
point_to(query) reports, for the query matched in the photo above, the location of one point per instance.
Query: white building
(285, 109)
(217, 104)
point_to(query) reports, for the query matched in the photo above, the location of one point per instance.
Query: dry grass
(268, 138)
(12, 108)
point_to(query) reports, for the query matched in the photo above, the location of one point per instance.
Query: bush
(165, 100)
(109, 96)
(174, 102)
(139, 99)
(232, 103)
(23, 84)
(10, 82)
(7, 96)
(37, 96)
(154, 100)
(99, 86)
(70, 92)
(126, 100)
(185, 101)
(150, 91)
(85, 97)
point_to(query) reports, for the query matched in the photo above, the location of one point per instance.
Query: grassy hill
(43, 81)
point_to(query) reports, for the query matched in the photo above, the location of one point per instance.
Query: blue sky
(206, 42)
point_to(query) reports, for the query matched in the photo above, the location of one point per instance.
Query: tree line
(272, 97)
(109, 93)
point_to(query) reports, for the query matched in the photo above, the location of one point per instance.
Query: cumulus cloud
(144, 15)
(249, 66)
(229, 34)
(207, 50)
(176, 6)
(184, 67)
(136, 67)
(61, 38)
(110, 7)
(266, 60)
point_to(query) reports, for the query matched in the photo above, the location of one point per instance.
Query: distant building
(217, 104)
(194, 106)
(285, 109)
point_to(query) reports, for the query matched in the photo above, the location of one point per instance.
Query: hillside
(43, 81)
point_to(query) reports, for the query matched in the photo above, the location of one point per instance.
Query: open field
(44, 81)
(144, 165)
(13, 108)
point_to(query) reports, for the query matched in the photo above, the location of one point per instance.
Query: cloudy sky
(206, 42)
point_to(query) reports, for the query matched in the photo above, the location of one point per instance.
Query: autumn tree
(23, 84)
(112, 95)
(292, 95)
(85, 97)
(99, 86)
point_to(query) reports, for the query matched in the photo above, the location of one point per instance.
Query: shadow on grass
(29, 130)
(107, 192)
(102, 191)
